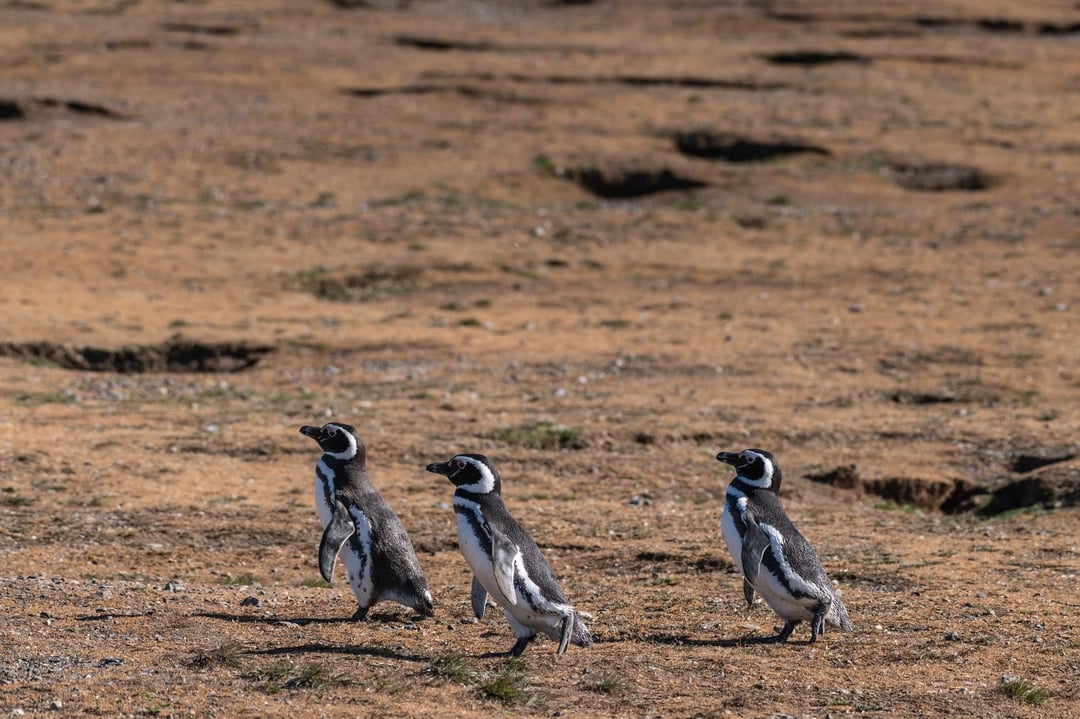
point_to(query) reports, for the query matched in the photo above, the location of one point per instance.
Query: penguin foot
(360, 614)
(520, 645)
(817, 624)
(782, 637)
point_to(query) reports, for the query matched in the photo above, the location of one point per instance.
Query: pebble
(952, 637)
(56, 704)
(250, 602)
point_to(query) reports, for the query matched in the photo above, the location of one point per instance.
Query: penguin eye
(459, 463)
(331, 430)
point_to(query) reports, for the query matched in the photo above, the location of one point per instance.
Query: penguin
(774, 559)
(505, 560)
(359, 523)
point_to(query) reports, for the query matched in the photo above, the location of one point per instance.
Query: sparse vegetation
(507, 684)
(247, 579)
(373, 283)
(452, 668)
(607, 682)
(273, 678)
(10, 498)
(229, 654)
(542, 434)
(1023, 690)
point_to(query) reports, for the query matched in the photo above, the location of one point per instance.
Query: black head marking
(472, 473)
(755, 467)
(340, 441)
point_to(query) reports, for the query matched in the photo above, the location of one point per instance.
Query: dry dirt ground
(597, 241)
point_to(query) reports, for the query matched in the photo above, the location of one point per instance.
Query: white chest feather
(359, 562)
(474, 548)
(324, 490)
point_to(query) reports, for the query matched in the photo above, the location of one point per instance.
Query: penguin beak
(308, 431)
(732, 458)
(442, 468)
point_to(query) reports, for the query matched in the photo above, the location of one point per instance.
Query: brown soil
(845, 232)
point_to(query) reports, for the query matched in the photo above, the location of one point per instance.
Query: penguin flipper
(340, 528)
(504, 554)
(753, 549)
(748, 592)
(479, 598)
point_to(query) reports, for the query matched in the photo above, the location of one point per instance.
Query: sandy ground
(598, 242)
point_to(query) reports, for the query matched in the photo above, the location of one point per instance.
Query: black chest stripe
(476, 524)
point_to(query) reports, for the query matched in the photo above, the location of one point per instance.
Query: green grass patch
(451, 668)
(610, 683)
(273, 678)
(507, 684)
(36, 399)
(314, 583)
(1025, 691)
(247, 579)
(374, 283)
(16, 500)
(542, 434)
(227, 655)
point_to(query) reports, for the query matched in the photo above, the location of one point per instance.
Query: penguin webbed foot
(520, 645)
(360, 614)
(782, 637)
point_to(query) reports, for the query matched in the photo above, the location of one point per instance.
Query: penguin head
(755, 467)
(338, 440)
(470, 472)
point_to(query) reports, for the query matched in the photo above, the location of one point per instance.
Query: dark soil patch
(437, 45)
(199, 29)
(10, 110)
(1049, 28)
(939, 177)
(175, 355)
(1048, 490)
(617, 182)
(945, 495)
(814, 57)
(1030, 461)
(736, 148)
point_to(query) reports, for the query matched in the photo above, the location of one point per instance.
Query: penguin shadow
(382, 652)
(735, 643)
(373, 618)
(356, 650)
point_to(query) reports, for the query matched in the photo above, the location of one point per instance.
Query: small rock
(173, 585)
(56, 704)
(250, 602)
(952, 637)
